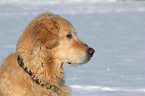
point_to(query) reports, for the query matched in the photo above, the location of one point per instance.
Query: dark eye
(69, 35)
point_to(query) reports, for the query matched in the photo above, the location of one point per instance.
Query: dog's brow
(75, 31)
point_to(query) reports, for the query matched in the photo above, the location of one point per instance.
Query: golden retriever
(36, 69)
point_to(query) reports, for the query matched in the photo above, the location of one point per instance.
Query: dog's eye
(69, 35)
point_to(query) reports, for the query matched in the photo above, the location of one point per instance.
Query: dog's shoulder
(11, 77)
(10, 61)
(9, 66)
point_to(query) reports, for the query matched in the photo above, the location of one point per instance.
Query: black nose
(91, 51)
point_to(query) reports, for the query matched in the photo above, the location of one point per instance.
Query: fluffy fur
(46, 44)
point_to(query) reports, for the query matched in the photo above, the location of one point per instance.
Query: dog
(36, 69)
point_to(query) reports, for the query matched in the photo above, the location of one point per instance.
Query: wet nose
(91, 51)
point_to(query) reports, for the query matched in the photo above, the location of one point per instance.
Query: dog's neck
(34, 76)
(41, 62)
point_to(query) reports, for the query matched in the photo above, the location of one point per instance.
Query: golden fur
(47, 43)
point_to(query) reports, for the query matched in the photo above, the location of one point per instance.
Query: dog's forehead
(68, 26)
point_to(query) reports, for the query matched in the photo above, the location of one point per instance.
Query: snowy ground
(115, 30)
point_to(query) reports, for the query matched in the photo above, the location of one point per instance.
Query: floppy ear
(46, 30)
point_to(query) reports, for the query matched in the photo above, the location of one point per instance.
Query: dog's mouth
(81, 58)
(68, 62)
(80, 62)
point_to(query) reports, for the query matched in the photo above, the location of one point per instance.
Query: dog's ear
(46, 30)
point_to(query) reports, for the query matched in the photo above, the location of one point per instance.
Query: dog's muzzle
(82, 58)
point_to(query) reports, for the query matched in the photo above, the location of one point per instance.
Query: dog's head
(59, 36)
